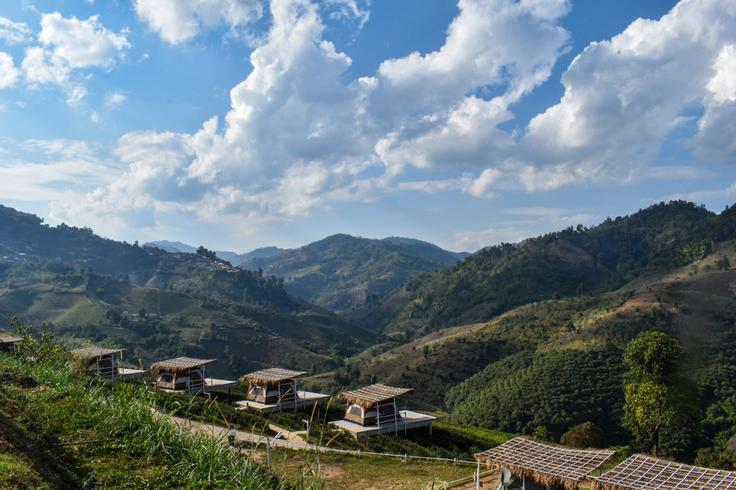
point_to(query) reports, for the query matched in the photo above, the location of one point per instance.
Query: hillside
(567, 353)
(159, 303)
(557, 265)
(233, 257)
(342, 272)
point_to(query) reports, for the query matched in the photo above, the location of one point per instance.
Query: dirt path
(242, 436)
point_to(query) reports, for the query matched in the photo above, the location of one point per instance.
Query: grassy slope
(43, 408)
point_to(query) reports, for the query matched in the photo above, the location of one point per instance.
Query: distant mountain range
(340, 272)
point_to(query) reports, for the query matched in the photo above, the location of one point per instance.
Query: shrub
(585, 435)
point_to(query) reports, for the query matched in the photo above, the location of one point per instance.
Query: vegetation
(80, 285)
(63, 431)
(657, 399)
(571, 262)
(584, 436)
(342, 272)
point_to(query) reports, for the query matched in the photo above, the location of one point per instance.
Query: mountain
(558, 363)
(232, 257)
(172, 247)
(561, 264)
(159, 303)
(343, 272)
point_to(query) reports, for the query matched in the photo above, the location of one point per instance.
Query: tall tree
(655, 391)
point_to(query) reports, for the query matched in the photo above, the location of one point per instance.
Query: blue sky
(245, 123)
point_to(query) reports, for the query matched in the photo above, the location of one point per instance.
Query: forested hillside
(342, 272)
(561, 264)
(558, 363)
(158, 303)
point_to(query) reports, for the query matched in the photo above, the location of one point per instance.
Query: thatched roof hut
(272, 375)
(371, 395)
(374, 404)
(8, 340)
(100, 361)
(181, 374)
(180, 365)
(641, 472)
(549, 466)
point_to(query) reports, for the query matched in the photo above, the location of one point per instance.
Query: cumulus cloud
(114, 99)
(624, 96)
(8, 72)
(177, 21)
(68, 44)
(297, 137)
(14, 32)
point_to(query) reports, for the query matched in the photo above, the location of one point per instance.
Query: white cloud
(69, 44)
(623, 97)
(298, 138)
(8, 72)
(177, 21)
(14, 32)
(114, 99)
(81, 43)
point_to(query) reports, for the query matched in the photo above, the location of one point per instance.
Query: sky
(236, 124)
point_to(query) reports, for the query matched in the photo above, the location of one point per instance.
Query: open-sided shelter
(640, 472)
(187, 374)
(276, 389)
(373, 410)
(104, 362)
(534, 465)
(8, 341)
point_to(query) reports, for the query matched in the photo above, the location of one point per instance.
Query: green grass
(46, 407)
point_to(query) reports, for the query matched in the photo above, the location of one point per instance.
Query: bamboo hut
(373, 410)
(187, 374)
(99, 361)
(640, 472)
(532, 465)
(276, 389)
(8, 341)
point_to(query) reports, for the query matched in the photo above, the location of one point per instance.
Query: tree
(655, 392)
(585, 435)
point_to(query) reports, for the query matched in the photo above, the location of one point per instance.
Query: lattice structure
(273, 375)
(547, 464)
(180, 364)
(93, 351)
(373, 394)
(640, 472)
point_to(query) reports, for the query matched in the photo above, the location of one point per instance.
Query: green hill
(561, 264)
(159, 303)
(342, 272)
(557, 363)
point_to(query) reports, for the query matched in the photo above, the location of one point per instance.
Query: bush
(585, 435)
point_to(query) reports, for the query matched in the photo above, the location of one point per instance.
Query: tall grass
(72, 405)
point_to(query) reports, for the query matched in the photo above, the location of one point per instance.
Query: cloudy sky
(244, 123)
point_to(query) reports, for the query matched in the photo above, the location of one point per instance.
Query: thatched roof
(93, 351)
(373, 394)
(272, 375)
(549, 465)
(180, 364)
(6, 338)
(645, 472)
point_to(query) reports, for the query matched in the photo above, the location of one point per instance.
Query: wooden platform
(211, 384)
(129, 374)
(304, 399)
(408, 420)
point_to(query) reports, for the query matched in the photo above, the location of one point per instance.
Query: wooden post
(268, 451)
(477, 476)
